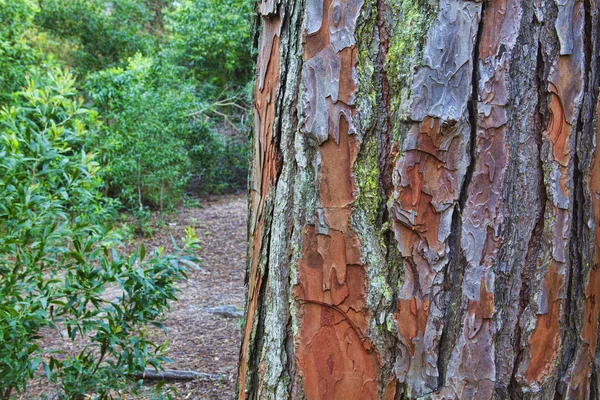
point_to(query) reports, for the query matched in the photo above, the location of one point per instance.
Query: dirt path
(198, 340)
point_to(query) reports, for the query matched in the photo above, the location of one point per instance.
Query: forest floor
(198, 340)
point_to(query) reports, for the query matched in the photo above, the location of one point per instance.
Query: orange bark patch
(335, 365)
(579, 385)
(264, 174)
(264, 103)
(335, 357)
(390, 389)
(545, 340)
(592, 306)
(490, 247)
(427, 177)
(348, 58)
(568, 75)
(493, 20)
(352, 248)
(559, 130)
(337, 218)
(480, 310)
(333, 249)
(411, 318)
(484, 307)
(337, 183)
(426, 185)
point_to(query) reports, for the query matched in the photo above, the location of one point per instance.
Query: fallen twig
(178, 375)
(226, 311)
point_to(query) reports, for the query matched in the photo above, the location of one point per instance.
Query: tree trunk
(425, 201)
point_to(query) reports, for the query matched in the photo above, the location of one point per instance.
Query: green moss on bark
(367, 179)
(407, 38)
(368, 48)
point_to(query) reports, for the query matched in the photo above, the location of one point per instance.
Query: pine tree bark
(424, 201)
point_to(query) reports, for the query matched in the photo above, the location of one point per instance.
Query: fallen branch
(226, 311)
(178, 375)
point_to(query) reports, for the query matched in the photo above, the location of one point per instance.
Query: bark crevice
(534, 246)
(574, 308)
(455, 269)
(385, 131)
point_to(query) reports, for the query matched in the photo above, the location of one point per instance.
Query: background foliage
(16, 54)
(167, 78)
(146, 109)
(221, 57)
(101, 33)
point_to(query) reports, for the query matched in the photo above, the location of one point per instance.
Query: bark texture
(424, 201)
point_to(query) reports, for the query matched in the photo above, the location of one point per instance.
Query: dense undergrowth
(107, 106)
(170, 82)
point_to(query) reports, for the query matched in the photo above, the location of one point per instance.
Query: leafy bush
(212, 38)
(145, 140)
(16, 54)
(104, 33)
(170, 81)
(220, 162)
(156, 144)
(58, 255)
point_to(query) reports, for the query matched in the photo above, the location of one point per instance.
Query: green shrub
(16, 54)
(58, 255)
(145, 138)
(212, 39)
(173, 99)
(103, 33)
(156, 144)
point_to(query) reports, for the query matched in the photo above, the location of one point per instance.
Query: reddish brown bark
(475, 273)
(265, 165)
(545, 340)
(335, 358)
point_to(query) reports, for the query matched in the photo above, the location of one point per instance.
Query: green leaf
(77, 256)
(34, 364)
(47, 370)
